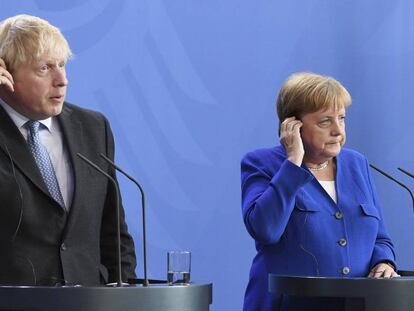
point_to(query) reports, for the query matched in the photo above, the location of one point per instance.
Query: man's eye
(44, 68)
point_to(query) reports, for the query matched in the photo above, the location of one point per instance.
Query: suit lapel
(17, 147)
(73, 138)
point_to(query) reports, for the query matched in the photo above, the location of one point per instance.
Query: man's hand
(6, 79)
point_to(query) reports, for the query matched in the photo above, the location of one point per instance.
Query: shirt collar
(20, 120)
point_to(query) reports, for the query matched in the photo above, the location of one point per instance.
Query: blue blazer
(297, 227)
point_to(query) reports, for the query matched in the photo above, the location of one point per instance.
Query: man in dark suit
(57, 215)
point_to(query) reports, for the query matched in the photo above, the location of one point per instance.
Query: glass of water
(179, 267)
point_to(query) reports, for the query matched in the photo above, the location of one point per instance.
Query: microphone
(405, 172)
(395, 180)
(144, 230)
(96, 167)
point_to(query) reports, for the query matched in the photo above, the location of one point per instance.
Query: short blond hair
(25, 38)
(307, 92)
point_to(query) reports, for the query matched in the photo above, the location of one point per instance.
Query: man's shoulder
(72, 108)
(82, 113)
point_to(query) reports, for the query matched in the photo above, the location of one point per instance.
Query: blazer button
(338, 215)
(63, 247)
(342, 242)
(345, 270)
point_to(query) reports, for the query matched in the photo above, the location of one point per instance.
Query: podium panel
(367, 294)
(194, 297)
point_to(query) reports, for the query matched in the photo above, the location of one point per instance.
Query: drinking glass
(179, 267)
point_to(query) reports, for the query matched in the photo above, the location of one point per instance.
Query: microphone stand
(395, 180)
(89, 162)
(406, 172)
(144, 230)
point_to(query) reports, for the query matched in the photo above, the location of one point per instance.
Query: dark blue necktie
(43, 161)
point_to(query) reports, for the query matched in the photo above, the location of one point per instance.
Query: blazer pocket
(370, 210)
(303, 207)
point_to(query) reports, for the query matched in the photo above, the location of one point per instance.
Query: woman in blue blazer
(309, 204)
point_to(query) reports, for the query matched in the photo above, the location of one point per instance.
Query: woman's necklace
(320, 167)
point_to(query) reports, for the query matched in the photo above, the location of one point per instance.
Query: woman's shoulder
(266, 154)
(348, 154)
(266, 159)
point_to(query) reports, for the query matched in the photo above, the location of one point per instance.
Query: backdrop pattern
(189, 88)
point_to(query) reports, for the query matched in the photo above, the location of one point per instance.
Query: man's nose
(60, 77)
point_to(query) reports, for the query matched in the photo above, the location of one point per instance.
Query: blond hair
(307, 92)
(25, 38)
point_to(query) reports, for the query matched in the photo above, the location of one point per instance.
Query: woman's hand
(6, 78)
(383, 270)
(291, 140)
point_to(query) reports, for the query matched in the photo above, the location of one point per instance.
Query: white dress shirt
(52, 138)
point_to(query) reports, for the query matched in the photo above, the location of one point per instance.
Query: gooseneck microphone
(406, 172)
(144, 230)
(395, 180)
(96, 167)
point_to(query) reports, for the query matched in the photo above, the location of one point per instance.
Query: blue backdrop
(189, 87)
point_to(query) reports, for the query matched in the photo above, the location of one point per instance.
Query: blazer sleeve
(108, 228)
(383, 249)
(269, 186)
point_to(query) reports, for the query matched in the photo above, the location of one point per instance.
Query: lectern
(193, 297)
(366, 294)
